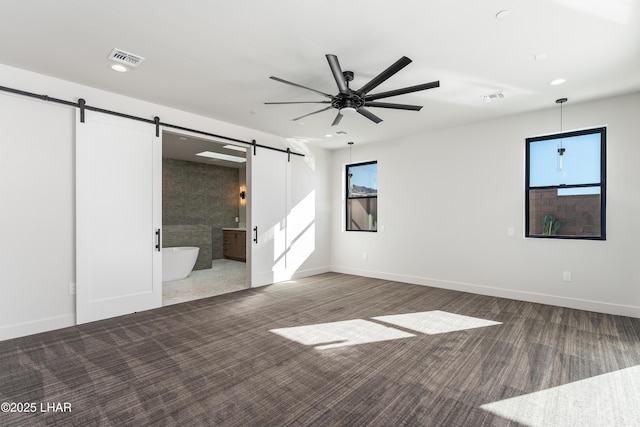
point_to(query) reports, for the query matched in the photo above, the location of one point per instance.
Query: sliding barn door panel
(268, 185)
(118, 209)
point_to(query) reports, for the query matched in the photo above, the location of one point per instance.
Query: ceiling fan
(349, 101)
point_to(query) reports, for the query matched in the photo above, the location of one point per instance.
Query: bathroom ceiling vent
(125, 58)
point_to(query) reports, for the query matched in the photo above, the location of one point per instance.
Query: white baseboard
(44, 325)
(580, 304)
(311, 272)
(35, 327)
(53, 323)
(298, 274)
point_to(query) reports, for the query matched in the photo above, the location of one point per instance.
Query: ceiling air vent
(493, 96)
(125, 58)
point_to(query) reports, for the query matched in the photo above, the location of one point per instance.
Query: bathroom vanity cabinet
(234, 243)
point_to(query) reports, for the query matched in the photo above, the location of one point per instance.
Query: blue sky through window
(365, 176)
(580, 163)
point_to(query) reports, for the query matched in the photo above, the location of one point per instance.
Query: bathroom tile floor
(223, 277)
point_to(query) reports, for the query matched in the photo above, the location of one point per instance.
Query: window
(565, 189)
(362, 197)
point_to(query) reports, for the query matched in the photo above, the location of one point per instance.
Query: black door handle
(158, 248)
(255, 229)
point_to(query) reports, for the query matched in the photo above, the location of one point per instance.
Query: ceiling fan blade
(369, 115)
(315, 112)
(380, 78)
(410, 89)
(300, 86)
(299, 102)
(336, 121)
(337, 73)
(395, 106)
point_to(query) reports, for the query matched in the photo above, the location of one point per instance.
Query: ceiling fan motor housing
(352, 99)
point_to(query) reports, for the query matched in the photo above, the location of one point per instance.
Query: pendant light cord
(561, 101)
(561, 149)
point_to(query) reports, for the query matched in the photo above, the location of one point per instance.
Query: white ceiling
(214, 58)
(183, 147)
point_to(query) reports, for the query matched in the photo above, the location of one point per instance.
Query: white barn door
(118, 217)
(267, 185)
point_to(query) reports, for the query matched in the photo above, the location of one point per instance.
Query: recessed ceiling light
(234, 147)
(328, 135)
(540, 56)
(503, 14)
(220, 156)
(119, 68)
(557, 82)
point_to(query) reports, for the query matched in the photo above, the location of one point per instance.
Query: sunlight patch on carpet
(611, 399)
(435, 322)
(341, 334)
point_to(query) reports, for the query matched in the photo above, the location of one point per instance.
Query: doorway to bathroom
(203, 207)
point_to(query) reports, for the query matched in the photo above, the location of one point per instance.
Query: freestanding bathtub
(178, 262)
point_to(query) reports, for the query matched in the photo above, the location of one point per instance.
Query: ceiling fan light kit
(347, 111)
(349, 101)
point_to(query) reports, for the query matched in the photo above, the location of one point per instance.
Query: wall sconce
(243, 194)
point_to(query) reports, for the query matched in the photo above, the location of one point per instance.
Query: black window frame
(347, 197)
(602, 184)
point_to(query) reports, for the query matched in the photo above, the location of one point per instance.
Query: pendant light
(350, 175)
(561, 149)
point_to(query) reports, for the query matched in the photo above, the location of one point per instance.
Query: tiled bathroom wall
(200, 194)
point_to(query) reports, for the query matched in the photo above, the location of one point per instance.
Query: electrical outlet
(237, 219)
(511, 231)
(72, 288)
(566, 276)
(364, 255)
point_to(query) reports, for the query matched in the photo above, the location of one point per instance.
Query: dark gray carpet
(215, 361)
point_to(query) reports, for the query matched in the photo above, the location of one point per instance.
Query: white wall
(37, 224)
(446, 199)
(309, 217)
